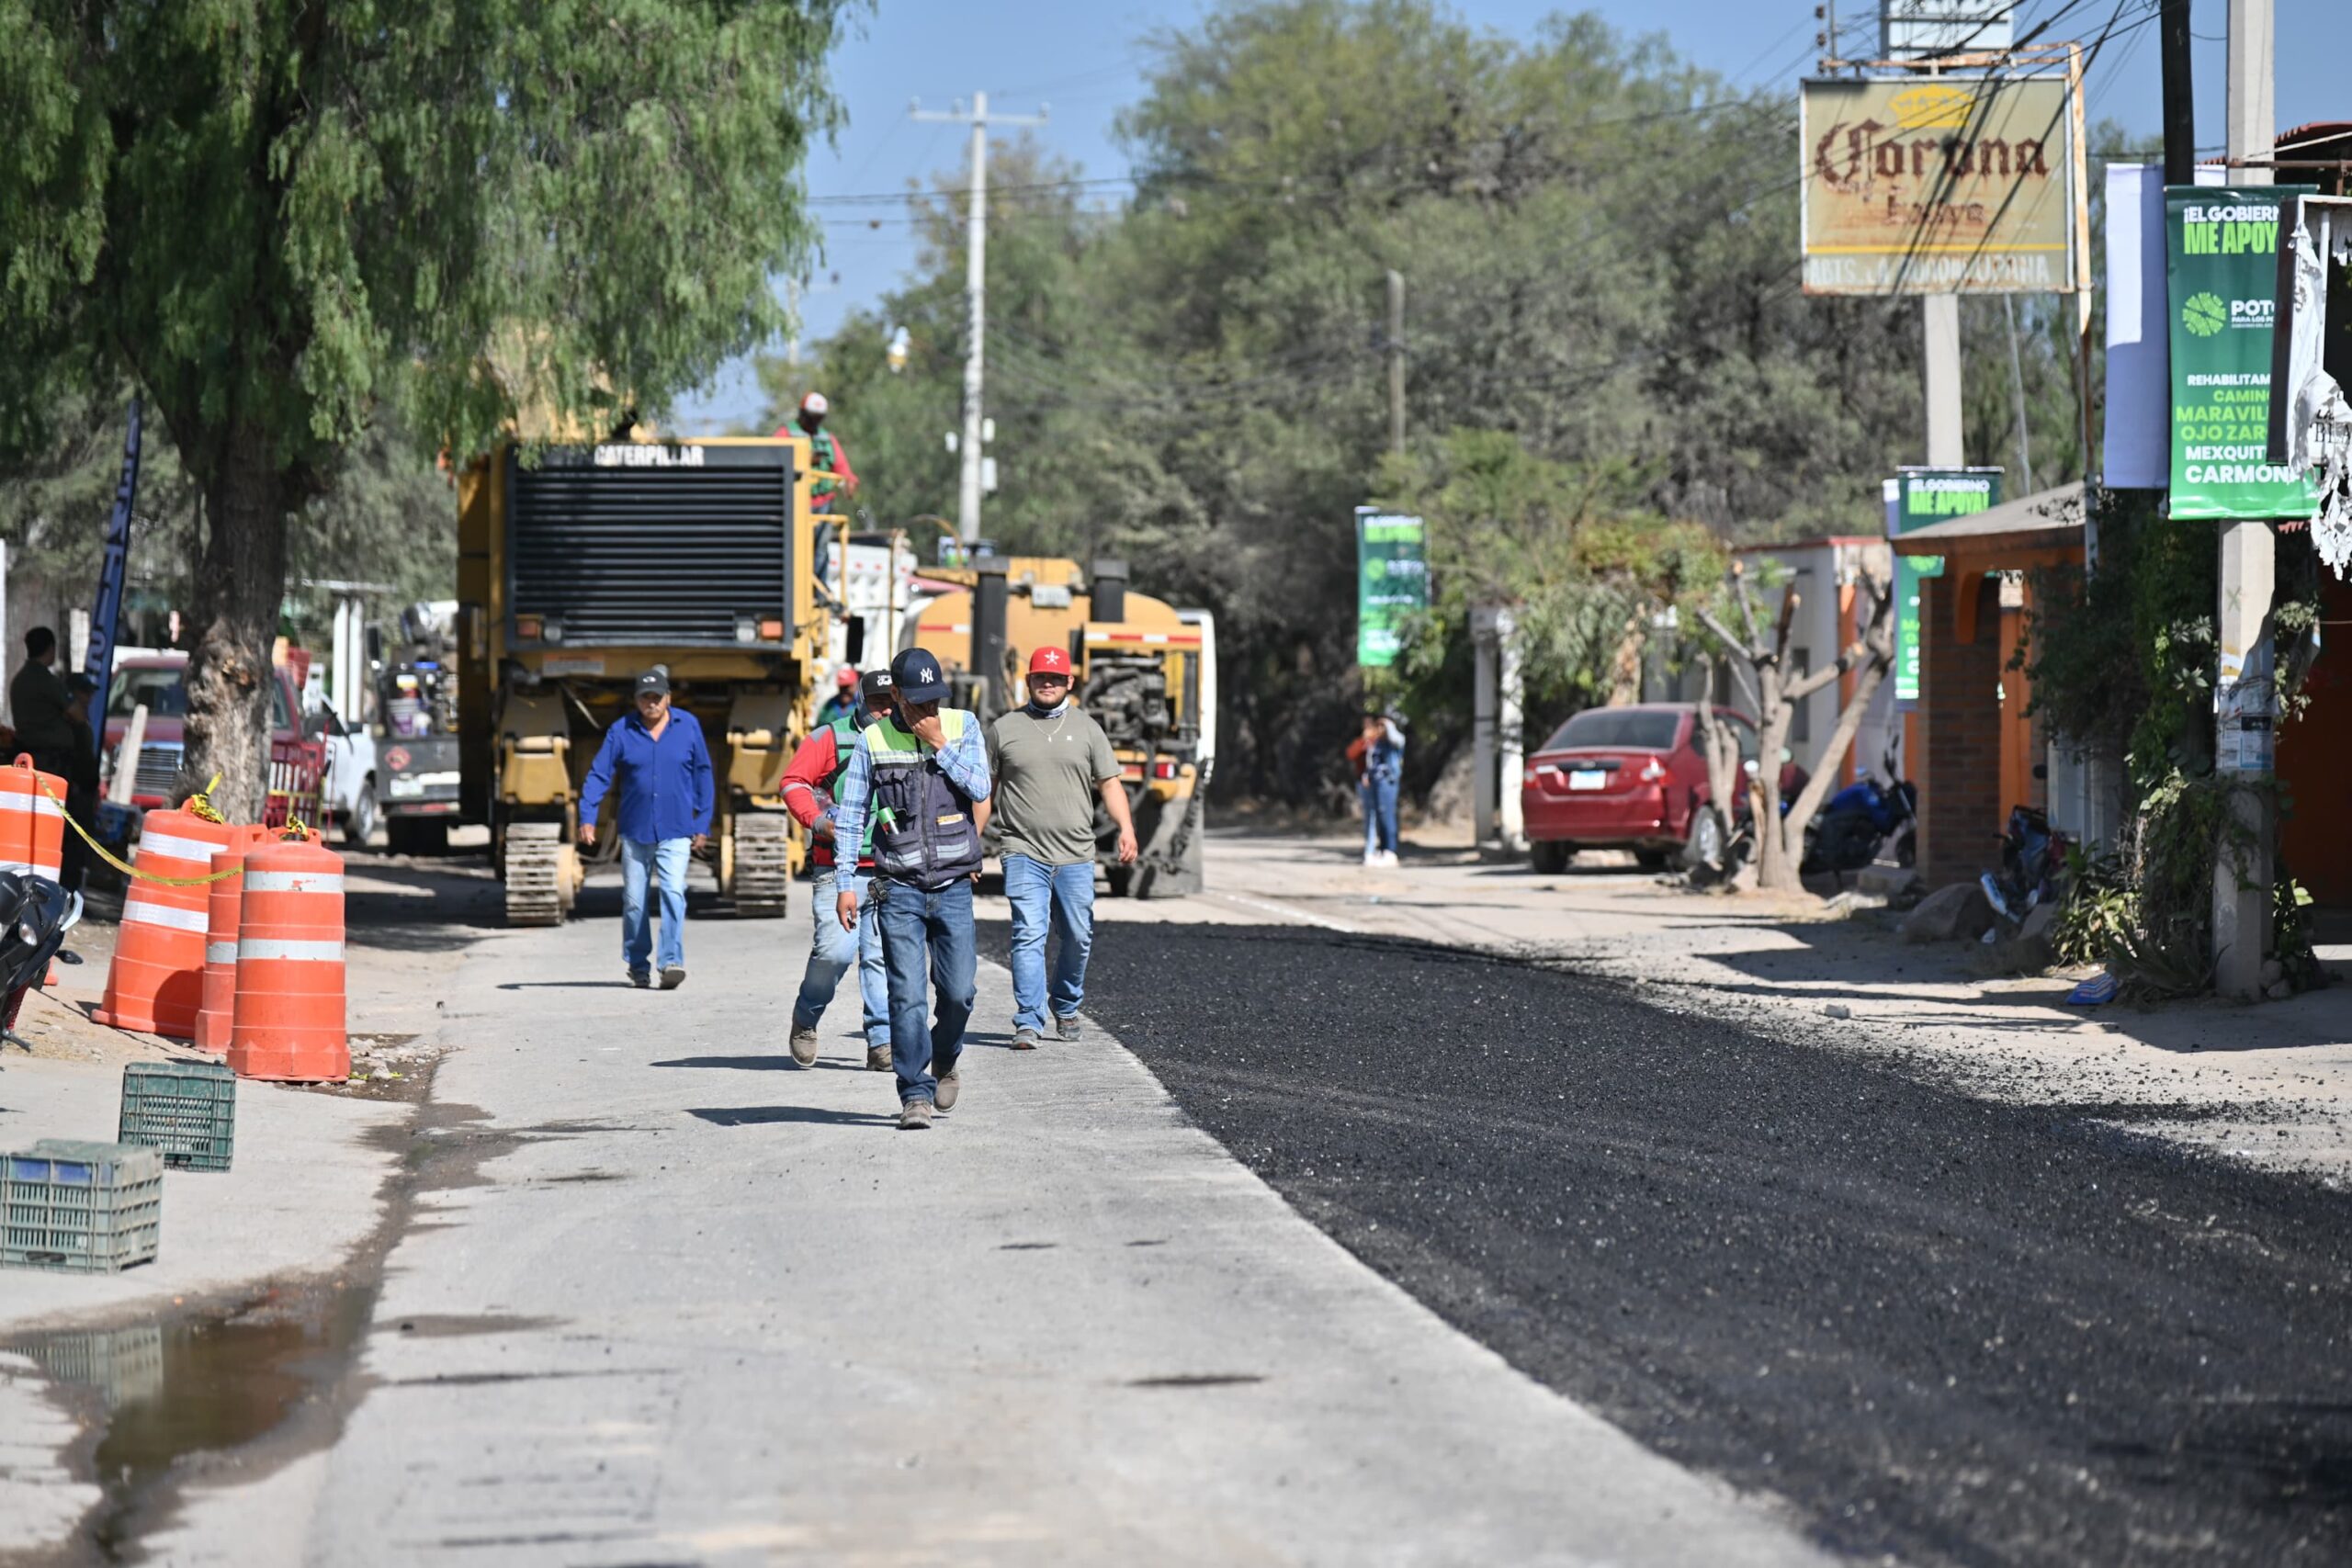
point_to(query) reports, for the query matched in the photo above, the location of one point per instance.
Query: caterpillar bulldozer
(579, 566)
(1145, 670)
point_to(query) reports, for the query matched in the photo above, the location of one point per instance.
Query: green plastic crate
(92, 1208)
(188, 1109)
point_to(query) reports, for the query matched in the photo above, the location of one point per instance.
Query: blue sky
(1082, 60)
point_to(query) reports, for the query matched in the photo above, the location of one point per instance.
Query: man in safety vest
(810, 784)
(923, 779)
(834, 482)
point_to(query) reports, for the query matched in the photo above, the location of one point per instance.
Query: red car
(1625, 778)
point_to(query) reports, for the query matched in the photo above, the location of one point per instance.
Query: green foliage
(1598, 248)
(280, 217)
(1567, 546)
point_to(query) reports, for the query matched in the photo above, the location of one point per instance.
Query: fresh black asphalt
(1944, 1329)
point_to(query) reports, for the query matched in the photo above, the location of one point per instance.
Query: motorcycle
(1864, 822)
(35, 915)
(2033, 866)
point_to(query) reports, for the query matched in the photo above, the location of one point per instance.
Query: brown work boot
(914, 1116)
(1025, 1038)
(804, 1047)
(877, 1058)
(951, 1084)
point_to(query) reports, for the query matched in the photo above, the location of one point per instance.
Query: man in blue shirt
(665, 782)
(924, 777)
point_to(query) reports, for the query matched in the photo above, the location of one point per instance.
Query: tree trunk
(1625, 667)
(240, 583)
(1777, 869)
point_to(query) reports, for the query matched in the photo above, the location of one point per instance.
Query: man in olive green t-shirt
(1050, 760)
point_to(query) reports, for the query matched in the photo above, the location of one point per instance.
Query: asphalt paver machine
(579, 566)
(1145, 670)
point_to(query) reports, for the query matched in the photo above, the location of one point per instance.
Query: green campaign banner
(1392, 583)
(2222, 280)
(1916, 497)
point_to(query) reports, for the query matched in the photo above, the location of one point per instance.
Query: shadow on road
(763, 1115)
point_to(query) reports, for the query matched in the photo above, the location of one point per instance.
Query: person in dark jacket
(37, 704)
(81, 777)
(658, 756)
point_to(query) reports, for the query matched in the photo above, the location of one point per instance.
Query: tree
(278, 217)
(1781, 839)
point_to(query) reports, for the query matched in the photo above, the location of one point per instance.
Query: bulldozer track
(762, 867)
(534, 873)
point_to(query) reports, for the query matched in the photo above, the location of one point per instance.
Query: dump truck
(1145, 670)
(579, 566)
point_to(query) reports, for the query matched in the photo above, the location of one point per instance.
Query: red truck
(296, 762)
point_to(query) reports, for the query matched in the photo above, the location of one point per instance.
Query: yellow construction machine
(1145, 670)
(581, 565)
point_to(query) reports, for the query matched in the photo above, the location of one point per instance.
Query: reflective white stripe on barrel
(219, 953)
(269, 948)
(164, 844)
(23, 865)
(293, 882)
(39, 805)
(165, 915)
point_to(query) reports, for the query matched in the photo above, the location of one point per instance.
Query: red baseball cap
(1049, 660)
(847, 676)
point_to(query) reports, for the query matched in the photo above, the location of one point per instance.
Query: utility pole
(2245, 698)
(975, 287)
(2180, 96)
(1396, 362)
(1940, 323)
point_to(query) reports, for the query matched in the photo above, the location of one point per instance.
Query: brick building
(1975, 752)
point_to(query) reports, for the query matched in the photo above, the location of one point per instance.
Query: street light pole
(976, 285)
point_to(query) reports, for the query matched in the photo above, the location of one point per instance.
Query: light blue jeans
(666, 860)
(1059, 898)
(831, 950)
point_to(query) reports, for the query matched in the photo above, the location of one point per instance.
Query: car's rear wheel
(1549, 856)
(1705, 845)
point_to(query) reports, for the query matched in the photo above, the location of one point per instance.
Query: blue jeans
(920, 929)
(1061, 896)
(638, 861)
(1379, 812)
(831, 950)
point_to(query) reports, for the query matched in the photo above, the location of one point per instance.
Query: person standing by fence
(658, 758)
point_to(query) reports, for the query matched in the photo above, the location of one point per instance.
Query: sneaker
(1372, 857)
(1026, 1039)
(877, 1058)
(1067, 1027)
(951, 1084)
(640, 978)
(804, 1047)
(1388, 857)
(914, 1116)
(673, 976)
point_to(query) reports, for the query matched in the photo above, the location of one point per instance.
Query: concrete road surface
(681, 1302)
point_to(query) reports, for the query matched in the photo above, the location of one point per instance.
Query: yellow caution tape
(127, 869)
(200, 803)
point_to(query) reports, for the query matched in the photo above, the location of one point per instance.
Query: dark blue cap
(919, 677)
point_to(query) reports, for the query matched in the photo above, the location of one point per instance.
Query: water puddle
(166, 1390)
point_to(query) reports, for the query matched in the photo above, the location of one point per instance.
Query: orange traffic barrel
(157, 979)
(219, 1007)
(32, 824)
(289, 1018)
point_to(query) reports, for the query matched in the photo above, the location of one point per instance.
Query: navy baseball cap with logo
(919, 677)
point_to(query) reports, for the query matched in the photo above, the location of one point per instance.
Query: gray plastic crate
(188, 1109)
(92, 1208)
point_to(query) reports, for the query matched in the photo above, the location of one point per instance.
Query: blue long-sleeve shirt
(965, 760)
(665, 785)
